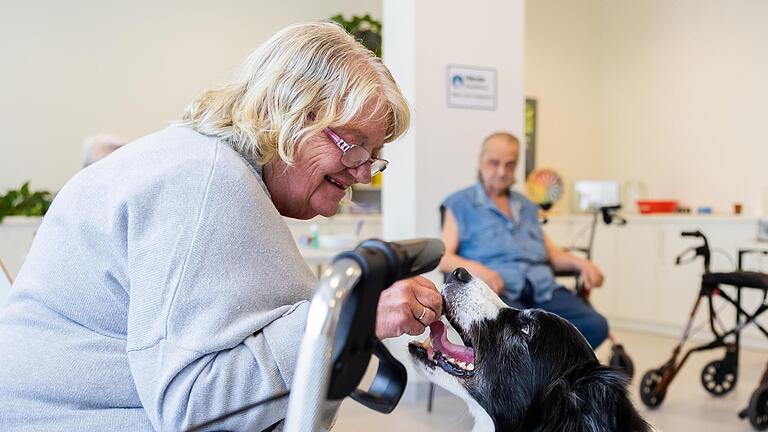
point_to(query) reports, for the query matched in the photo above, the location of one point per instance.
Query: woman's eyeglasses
(352, 155)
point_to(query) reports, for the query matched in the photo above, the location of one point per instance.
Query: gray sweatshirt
(162, 289)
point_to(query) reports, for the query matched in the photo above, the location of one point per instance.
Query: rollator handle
(702, 251)
(341, 330)
(611, 214)
(696, 233)
(382, 263)
(408, 258)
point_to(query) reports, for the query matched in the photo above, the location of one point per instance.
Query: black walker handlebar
(698, 251)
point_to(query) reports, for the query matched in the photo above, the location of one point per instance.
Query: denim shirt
(514, 247)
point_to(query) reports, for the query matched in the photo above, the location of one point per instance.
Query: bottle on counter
(633, 191)
(314, 234)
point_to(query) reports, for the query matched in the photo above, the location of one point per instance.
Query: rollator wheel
(649, 393)
(718, 377)
(758, 408)
(621, 361)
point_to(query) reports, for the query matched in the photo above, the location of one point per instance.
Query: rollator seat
(747, 279)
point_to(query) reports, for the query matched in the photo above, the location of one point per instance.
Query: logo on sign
(471, 87)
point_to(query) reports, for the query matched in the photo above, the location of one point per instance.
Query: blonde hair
(305, 78)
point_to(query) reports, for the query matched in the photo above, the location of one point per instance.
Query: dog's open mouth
(437, 350)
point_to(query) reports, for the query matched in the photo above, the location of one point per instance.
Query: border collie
(521, 370)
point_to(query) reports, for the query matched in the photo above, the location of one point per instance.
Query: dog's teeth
(452, 360)
(470, 366)
(462, 364)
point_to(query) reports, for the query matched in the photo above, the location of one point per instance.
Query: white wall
(70, 69)
(562, 63)
(439, 154)
(670, 93)
(684, 93)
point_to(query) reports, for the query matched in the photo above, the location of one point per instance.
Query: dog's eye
(525, 329)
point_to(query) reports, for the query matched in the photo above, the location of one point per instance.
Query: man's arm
(451, 260)
(564, 261)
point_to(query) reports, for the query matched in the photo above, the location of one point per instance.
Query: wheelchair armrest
(567, 273)
(578, 285)
(581, 250)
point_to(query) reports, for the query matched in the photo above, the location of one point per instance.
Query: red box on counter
(656, 206)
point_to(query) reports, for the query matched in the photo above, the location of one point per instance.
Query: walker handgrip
(409, 258)
(417, 256)
(382, 264)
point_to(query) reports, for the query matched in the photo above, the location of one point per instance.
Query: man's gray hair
(505, 135)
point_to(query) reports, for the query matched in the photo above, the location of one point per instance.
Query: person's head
(306, 78)
(98, 147)
(499, 155)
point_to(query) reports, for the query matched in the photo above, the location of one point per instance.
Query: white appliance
(591, 194)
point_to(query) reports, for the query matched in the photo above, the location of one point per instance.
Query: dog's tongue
(441, 343)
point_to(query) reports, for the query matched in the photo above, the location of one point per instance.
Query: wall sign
(471, 87)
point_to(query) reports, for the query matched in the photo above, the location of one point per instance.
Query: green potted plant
(365, 29)
(24, 202)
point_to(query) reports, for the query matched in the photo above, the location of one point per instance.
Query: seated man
(494, 232)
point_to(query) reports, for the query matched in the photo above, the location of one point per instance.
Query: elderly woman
(164, 288)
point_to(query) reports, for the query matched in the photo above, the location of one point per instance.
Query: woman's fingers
(407, 307)
(426, 294)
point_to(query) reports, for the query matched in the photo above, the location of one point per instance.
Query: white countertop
(21, 221)
(664, 218)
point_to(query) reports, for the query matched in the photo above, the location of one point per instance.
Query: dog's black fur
(548, 380)
(534, 372)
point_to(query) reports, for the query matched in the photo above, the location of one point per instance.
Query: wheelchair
(718, 377)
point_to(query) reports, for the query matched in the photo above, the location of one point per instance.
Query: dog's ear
(588, 397)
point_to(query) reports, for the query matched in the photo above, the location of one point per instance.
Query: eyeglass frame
(345, 146)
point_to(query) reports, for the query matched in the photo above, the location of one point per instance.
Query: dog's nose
(462, 274)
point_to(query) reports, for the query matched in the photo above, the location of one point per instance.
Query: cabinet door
(604, 254)
(637, 258)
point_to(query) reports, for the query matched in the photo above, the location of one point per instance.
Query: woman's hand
(591, 276)
(407, 307)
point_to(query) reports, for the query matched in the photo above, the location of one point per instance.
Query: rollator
(718, 377)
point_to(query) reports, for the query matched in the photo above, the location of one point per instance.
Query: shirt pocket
(533, 232)
(533, 243)
(485, 241)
